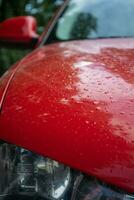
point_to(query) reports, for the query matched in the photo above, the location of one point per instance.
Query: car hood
(74, 102)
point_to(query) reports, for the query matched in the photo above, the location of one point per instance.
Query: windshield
(91, 19)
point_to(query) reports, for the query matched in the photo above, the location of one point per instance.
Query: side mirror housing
(19, 31)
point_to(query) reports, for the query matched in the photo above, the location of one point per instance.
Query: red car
(67, 108)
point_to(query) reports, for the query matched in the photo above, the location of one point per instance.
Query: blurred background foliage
(42, 10)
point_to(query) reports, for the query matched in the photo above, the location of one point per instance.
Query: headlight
(24, 175)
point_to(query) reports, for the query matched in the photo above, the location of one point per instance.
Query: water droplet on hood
(98, 108)
(96, 102)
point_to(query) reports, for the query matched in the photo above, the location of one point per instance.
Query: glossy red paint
(18, 29)
(74, 102)
(5, 82)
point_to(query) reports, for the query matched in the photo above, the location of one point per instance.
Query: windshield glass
(85, 19)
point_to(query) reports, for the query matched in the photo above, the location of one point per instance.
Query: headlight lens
(25, 174)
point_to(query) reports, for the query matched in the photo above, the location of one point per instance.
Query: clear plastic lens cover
(25, 174)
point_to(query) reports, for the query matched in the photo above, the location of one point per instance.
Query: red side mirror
(19, 30)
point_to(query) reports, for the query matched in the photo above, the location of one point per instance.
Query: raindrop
(95, 102)
(46, 114)
(64, 101)
(85, 89)
(131, 100)
(108, 77)
(112, 101)
(122, 113)
(129, 127)
(98, 108)
(91, 111)
(18, 107)
(106, 92)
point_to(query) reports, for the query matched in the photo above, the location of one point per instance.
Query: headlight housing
(25, 175)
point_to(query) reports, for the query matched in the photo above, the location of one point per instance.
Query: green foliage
(9, 57)
(83, 26)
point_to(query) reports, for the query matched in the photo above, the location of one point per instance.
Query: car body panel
(5, 82)
(74, 102)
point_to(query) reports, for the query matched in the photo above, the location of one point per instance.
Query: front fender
(74, 102)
